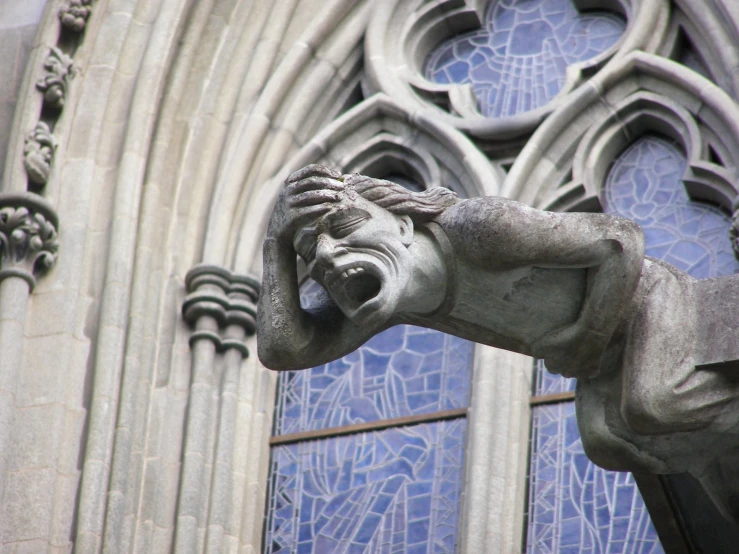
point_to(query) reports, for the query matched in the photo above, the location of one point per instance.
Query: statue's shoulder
(486, 212)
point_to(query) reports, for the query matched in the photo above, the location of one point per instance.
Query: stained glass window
(396, 490)
(577, 507)
(388, 490)
(518, 60)
(645, 185)
(401, 372)
(574, 505)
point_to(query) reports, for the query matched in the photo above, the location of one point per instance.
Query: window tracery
(699, 37)
(559, 149)
(687, 234)
(518, 61)
(440, 57)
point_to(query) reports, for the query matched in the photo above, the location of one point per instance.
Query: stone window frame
(696, 23)
(385, 129)
(401, 34)
(565, 165)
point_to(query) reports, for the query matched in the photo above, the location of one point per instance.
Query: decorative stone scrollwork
(227, 298)
(38, 153)
(74, 14)
(59, 68)
(28, 236)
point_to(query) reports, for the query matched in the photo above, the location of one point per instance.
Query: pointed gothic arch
(372, 134)
(643, 93)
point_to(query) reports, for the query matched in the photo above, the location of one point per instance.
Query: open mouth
(360, 286)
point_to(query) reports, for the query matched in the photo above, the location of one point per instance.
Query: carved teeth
(350, 273)
(346, 275)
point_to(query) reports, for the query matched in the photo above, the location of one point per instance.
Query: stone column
(28, 247)
(221, 309)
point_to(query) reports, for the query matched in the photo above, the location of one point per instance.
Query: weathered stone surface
(488, 269)
(74, 14)
(58, 69)
(38, 153)
(28, 235)
(574, 289)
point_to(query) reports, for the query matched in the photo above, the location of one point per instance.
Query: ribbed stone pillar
(221, 309)
(28, 246)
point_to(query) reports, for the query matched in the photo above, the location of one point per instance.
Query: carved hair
(420, 206)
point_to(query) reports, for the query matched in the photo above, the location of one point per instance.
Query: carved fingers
(313, 185)
(313, 197)
(313, 170)
(309, 193)
(313, 190)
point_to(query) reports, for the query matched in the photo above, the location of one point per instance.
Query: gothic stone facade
(142, 146)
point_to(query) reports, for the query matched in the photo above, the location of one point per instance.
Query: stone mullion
(497, 450)
(221, 308)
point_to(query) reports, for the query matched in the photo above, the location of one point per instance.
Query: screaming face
(358, 252)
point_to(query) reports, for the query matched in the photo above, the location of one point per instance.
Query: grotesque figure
(572, 288)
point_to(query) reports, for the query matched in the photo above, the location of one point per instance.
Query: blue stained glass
(403, 371)
(645, 184)
(547, 383)
(403, 496)
(575, 506)
(518, 61)
(572, 501)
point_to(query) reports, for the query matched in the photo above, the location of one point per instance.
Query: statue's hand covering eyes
(487, 269)
(572, 288)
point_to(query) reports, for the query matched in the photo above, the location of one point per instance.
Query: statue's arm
(503, 234)
(612, 249)
(290, 337)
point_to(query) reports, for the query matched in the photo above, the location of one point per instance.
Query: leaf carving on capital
(28, 239)
(59, 68)
(74, 13)
(38, 153)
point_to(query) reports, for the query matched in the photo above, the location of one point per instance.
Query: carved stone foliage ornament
(74, 14)
(59, 68)
(227, 298)
(28, 236)
(38, 153)
(573, 289)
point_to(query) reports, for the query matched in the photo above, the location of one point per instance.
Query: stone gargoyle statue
(574, 289)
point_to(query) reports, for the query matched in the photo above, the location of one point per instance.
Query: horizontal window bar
(551, 398)
(371, 426)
